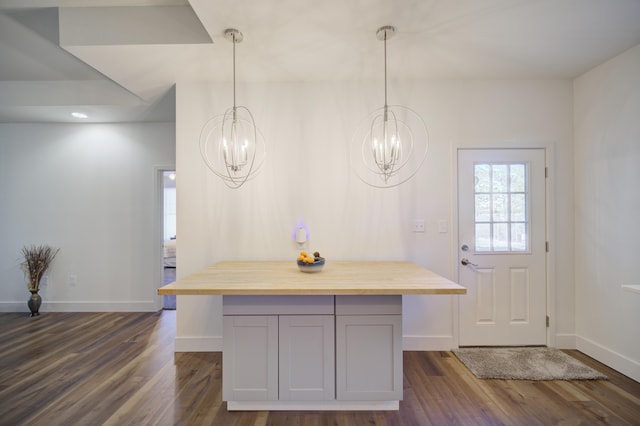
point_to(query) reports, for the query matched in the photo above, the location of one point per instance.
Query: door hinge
(546, 246)
(547, 321)
(546, 172)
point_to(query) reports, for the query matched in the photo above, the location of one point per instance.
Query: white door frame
(158, 229)
(549, 233)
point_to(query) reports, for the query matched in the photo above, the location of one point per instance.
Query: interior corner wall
(607, 203)
(90, 190)
(308, 127)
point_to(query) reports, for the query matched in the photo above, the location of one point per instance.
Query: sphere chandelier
(230, 144)
(385, 151)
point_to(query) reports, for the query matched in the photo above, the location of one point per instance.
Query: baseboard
(333, 405)
(565, 341)
(198, 344)
(14, 306)
(83, 306)
(428, 343)
(619, 362)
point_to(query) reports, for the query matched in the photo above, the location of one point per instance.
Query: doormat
(525, 364)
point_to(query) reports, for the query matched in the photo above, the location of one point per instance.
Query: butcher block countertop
(282, 278)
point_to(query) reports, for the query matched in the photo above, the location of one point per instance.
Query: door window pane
(519, 237)
(518, 212)
(500, 237)
(482, 174)
(499, 177)
(500, 208)
(483, 208)
(501, 205)
(517, 177)
(483, 237)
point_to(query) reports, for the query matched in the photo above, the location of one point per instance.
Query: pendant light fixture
(385, 151)
(231, 144)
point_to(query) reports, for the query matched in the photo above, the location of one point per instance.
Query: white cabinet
(312, 352)
(307, 358)
(273, 350)
(368, 348)
(250, 358)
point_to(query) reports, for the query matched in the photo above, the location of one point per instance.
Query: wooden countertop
(278, 278)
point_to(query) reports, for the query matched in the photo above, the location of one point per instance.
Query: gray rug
(525, 364)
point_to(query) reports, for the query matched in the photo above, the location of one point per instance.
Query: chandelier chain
(385, 71)
(234, 75)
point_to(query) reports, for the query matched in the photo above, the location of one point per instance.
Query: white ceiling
(118, 60)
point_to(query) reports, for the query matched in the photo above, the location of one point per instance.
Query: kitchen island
(330, 340)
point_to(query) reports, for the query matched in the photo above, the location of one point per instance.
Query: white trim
(14, 306)
(455, 226)
(610, 358)
(83, 306)
(313, 405)
(158, 227)
(428, 343)
(453, 263)
(564, 341)
(198, 344)
(550, 237)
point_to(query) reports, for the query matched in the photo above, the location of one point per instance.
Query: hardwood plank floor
(120, 369)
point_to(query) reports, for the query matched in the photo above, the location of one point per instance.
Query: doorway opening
(169, 237)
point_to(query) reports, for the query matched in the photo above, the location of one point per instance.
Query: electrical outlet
(418, 226)
(73, 280)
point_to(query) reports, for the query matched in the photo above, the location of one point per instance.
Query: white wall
(307, 127)
(607, 207)
(88, 189)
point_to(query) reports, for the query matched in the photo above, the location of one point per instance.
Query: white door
(501, 247)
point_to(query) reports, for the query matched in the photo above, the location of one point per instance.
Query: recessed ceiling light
(79, 115)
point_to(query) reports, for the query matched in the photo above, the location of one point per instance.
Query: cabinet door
(307, 358)
(369, 357)
(250, 358)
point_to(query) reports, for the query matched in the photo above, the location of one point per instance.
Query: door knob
(466, 262)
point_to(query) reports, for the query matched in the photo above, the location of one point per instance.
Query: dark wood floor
(120, 369)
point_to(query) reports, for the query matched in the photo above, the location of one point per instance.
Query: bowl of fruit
(310, 262)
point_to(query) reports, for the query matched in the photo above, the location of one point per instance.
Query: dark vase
(34, 303)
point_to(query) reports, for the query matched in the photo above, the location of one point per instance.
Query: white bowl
(311, 267)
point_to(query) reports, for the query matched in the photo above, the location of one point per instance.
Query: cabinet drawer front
(277, 305)
(369, 305)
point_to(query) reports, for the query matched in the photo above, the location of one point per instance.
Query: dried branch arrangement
(37, 258)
